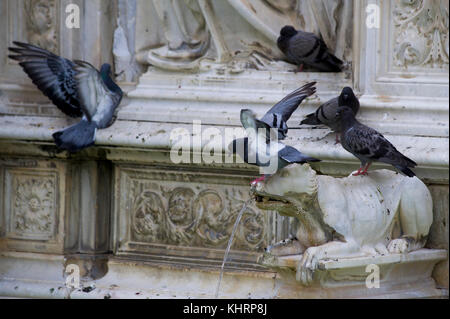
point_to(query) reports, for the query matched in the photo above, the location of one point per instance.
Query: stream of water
(230, 242)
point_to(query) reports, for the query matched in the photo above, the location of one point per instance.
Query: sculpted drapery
(203, 34)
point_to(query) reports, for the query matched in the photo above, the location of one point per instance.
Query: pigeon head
(288, 31)
(347, 97)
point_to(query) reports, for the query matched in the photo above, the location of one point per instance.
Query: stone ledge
(401, 276)
(131, 140)
(418, 255)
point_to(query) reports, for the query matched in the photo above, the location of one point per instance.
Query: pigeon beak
(345, 95)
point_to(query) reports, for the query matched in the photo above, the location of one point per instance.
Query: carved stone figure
(41, 24)
(200, 34)
(379, 214)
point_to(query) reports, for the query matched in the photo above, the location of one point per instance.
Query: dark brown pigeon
(327, 112)
(369, 146)
(306, 48)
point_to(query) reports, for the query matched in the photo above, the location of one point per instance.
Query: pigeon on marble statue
(326, 113)
(76, 88)
(262, 148)
(305, 48)
(368, 145)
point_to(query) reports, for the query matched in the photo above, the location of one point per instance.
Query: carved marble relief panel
(32, 206)
(42, 23)
(418, 37)
(186, 209)
(200, 35)
(32, 21)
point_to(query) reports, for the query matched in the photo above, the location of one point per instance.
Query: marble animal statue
(381, 213)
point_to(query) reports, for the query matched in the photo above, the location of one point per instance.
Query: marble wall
(124, 200)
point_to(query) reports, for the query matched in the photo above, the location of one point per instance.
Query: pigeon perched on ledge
(327, 112)
(306, 48)
(76, 88)
(368, 145)
(261, 148)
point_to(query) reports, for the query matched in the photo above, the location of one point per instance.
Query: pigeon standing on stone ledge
(306, 48)
(368, 145)
(327, 112)
(76, 88)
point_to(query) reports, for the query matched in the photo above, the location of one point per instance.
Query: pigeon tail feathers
(76, 137)
(406, 171)
(311, 119)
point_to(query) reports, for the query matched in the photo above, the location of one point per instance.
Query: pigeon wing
(372, 145)
(283, 110)
(292, 155)
(91, 88)
(53, 75)
(249, 121)
(302, 47)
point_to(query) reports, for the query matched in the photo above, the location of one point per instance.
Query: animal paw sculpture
(379, 214)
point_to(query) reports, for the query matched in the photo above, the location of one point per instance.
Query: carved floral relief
(421, 34)
(192, 215)
(33, 206)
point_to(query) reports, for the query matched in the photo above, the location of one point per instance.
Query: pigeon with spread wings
(52, 74)
(262, 148)
(76, 88)
(280, 113)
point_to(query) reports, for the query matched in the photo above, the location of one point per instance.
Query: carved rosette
(184, 215)
(42, 23)
(33, 206)
(421, 34)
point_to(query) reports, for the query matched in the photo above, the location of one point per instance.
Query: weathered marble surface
(362, 217)
(103, 203)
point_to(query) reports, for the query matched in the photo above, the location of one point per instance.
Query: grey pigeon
(306, 48)
(263, 149)
(280, 113)
(327, 112)
(368, 145)
(76, 88)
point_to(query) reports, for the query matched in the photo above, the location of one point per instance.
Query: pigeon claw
(362, 170)
(337, 139)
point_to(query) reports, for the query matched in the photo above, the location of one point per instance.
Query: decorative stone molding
(32, 206)
(131, 218)
(421, 35)
(166, 208)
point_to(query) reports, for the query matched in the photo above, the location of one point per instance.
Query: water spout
(230, 242)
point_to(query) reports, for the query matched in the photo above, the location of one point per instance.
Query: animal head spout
(296, 178)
